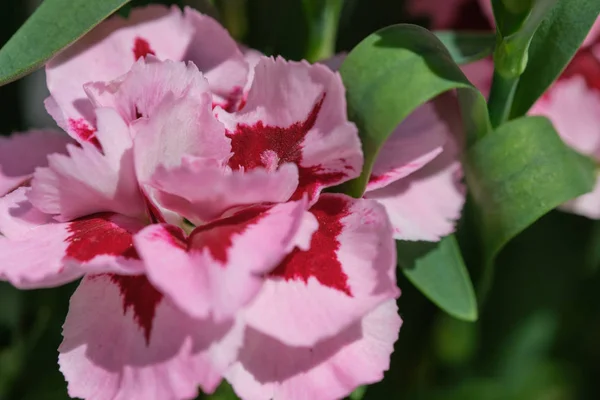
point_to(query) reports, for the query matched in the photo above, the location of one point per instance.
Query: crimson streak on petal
(98, 235)
(84, 132)
(321, 261)
(139, 295)
(217, 236)
(141, 48)
(251, 145)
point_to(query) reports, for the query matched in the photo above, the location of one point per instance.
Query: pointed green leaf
(553, 46)
(439, 272)
(516, 175)
(52, 27)
(391, 73)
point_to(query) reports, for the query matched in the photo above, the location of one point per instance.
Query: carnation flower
(189, 197)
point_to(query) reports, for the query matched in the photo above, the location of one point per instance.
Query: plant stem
(323, 19)
(233, 15)
(501, 98)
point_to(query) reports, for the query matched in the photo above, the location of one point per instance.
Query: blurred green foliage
(537, 337)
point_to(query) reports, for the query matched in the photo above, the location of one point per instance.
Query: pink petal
(21, 153)
(220, 190)
(426, 204)
(217, 55)
(179, 128)
(331, 369)
(587, 205)
(219, 268)
(123, 340)
(295, 113)
(18, 215)
(88, 180)
(347, 272)
(139, 92)
(480, 74)
(55, 253)
(252, 58)
(110, 50)
(106, 53)
(574, 109)
(414, 143)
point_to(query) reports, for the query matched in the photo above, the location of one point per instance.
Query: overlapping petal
(219, 268)
(330, 369)
(109, 51)
(124, 340)
(422, 192)
(91, 180)
(22, 153)
(181, 127)
(149, 82)
(221, 189)
(295, 112)
(350, 267)
(43, 253)
(415, 142)
(426, 204)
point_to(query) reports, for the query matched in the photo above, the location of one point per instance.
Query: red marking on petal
(249, 144)
(376, 178)
(584, 64)
(217, 236)
(83, 131)
(311, 178)
(141, 48)
(321, 261)
(139, 295)
(234, 101)
(98, 235)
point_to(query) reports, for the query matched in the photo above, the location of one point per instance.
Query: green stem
(501, 98)
(233, 15)
(323, 19)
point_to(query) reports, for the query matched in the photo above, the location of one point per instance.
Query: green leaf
(223, 392)
(552, 47)
(438, 271)
(516, 175)
(510, 57)
(467, 47)
(390, 74)
(52, 27)
(359, 393)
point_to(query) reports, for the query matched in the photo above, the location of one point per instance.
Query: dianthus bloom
(189, 198)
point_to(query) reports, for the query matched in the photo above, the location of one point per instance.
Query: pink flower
(190, 201)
